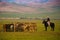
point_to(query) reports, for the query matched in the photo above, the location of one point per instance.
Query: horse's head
(44, 21)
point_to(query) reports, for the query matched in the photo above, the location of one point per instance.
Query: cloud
(47, 5)
(34, 1)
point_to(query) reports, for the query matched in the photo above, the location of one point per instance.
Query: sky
(49, 5)
(25, 0)
(33, 2)
(33, 6)
(55, 2)
(28, 1)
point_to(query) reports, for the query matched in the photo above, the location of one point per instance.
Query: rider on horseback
(48, 21)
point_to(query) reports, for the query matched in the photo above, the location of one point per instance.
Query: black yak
(8, 27)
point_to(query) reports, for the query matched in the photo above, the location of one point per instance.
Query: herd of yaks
(20, 27)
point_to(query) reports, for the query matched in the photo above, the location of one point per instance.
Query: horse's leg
(53, 28)
(45, 28)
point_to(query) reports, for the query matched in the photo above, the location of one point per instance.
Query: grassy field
(39, 35)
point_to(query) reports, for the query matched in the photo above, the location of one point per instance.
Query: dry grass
(39, 35)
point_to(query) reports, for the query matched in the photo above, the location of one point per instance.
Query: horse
(47, 23)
